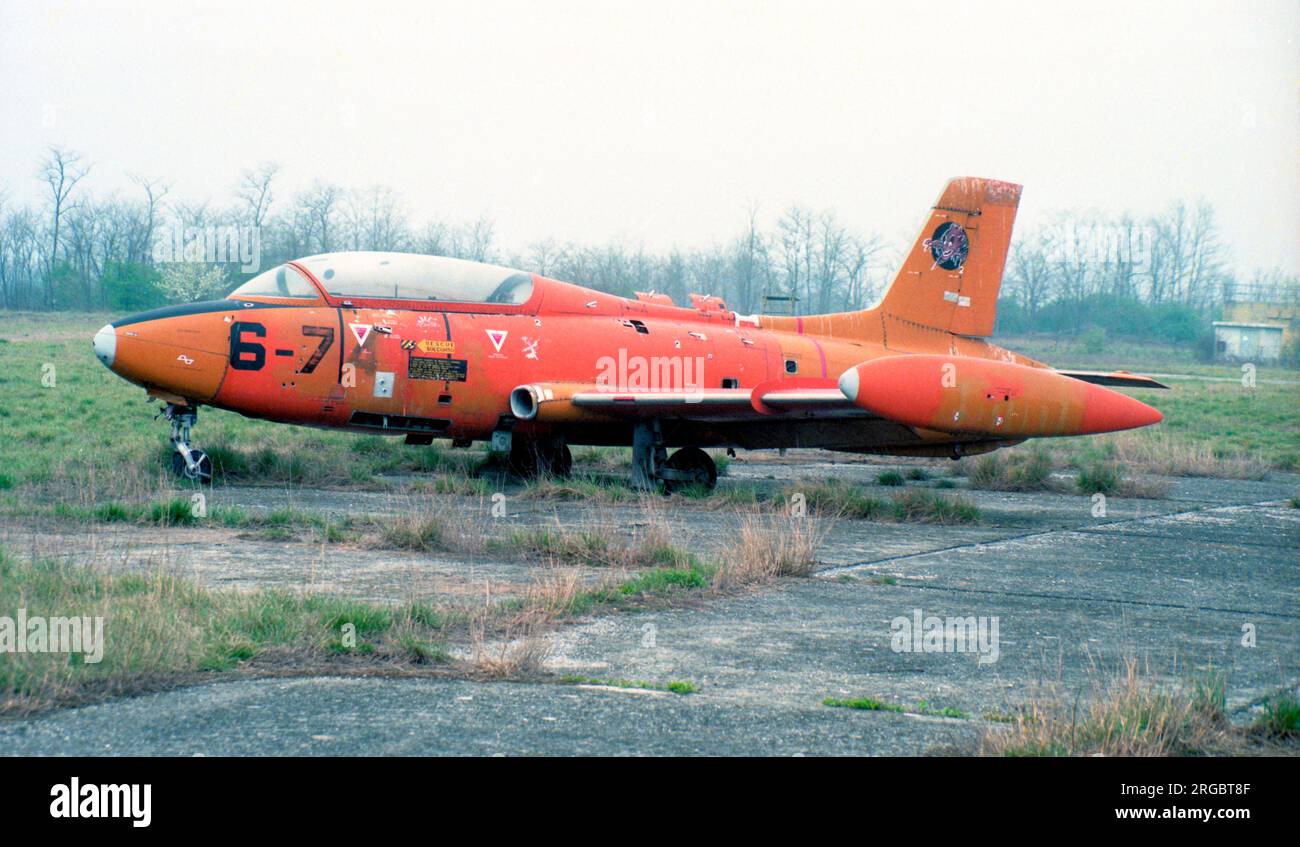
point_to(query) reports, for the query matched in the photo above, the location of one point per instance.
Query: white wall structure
(1247, 342)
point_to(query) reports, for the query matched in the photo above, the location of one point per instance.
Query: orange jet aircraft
(429, 347)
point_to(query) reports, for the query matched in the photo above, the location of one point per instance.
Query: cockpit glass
(283, 281)
(409, 276)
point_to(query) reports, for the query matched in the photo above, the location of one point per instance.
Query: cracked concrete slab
(1169, 583)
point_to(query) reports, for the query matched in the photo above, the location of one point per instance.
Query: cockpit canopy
(283, 281)
(395, 276)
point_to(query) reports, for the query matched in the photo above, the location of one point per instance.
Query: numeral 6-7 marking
(326, 336)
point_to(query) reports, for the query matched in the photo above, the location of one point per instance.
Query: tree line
(134, 250)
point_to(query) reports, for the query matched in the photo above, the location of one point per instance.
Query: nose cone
(177, 351)
(1105, 410)
(105, 345)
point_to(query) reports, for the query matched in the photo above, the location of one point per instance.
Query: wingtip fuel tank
(961, 394)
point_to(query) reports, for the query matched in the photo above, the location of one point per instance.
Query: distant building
(1247, 342)
(1255, 332)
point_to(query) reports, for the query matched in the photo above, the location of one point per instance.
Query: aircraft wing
(722, 404)
(1123, 379)
(791, 398)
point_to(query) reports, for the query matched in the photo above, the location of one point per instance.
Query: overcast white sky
(657, 122)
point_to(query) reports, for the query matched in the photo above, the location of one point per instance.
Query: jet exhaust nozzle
(524, 402)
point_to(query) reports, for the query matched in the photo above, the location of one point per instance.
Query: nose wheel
(188, 463)
(202, 467)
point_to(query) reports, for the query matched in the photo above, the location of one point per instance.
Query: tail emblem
(949, 246)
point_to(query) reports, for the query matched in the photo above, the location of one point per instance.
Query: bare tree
(478, 240)
(1205, 267)
(751, 263)
(61, 171)
(544, 256)
(72, 247)
(1187, 256)
(795, 242)
(435, 239)
(376, 220)
(1031, 276)
(709, 271)
(827, 261)
(255, 191)
(860, 258)
(316, 209)
(21, 258)
(154, 192)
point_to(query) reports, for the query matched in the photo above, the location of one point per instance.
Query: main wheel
(561, 461)
(203, 472)
(691, 466)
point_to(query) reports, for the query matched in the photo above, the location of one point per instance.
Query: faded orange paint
(962, 394)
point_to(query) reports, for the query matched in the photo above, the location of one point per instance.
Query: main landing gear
(187, 462)
(651, 464)
(689, 466)
(529, 459)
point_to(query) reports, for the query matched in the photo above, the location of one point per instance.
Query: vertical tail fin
(951, 277)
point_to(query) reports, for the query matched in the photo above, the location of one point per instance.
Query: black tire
(204, 476)
(523, 461)
(531, 459)
(691, 460)
(561, 461)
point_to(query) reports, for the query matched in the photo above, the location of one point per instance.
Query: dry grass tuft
(1109, 477)
(417, 525)
(1028, 470)
(1126, 715)
(918, 505)
(1281, 717)
(552, 595)
(519, 653)
(836, 498)
(770, 546)
(415, 532)
(521, 658)
(600, 540)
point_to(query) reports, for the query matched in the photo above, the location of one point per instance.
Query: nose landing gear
(187, 462)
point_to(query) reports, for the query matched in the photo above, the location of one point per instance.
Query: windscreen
(283, 281)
